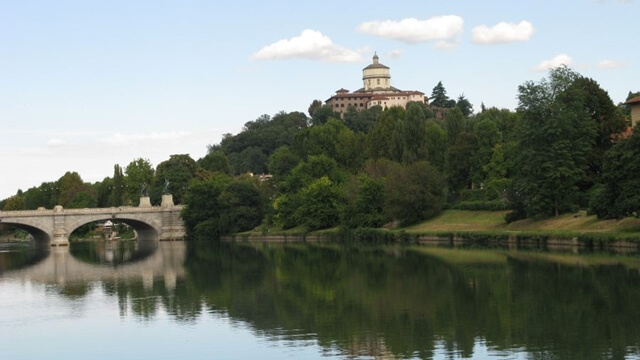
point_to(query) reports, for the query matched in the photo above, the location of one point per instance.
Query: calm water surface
(146, 300)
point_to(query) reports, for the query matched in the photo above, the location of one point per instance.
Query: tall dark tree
(619, 196)
(139, 174)
(464, 105)
(439, 96)
(176, 172)
(215, 161)
(555, 137)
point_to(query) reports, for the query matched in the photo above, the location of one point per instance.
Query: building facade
(634, 104)
(376, 90)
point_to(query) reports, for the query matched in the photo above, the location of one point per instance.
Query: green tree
(618, 196)
(439, 96)
(117, 191)
(242, 205)
(465, 106)
(315, 105)
(380, 140)
(555, 136)
(366, 208)
(414, 193)
(69, 185)
(15, 202)
(215, 161)
(323, 114)
(609, 122)
(414, 129)
(454, 124)
(488, 137)
(282, 161)
(179, 170)
(203, 212)
(138, 173)
(459, 162)
(435, 144)
(320, 204)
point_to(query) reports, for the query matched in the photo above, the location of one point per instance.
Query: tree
(117, 190)
(178, 171)
(203, 211)
(414, 193)
(216, 161)
(414, 131)
(138, 173)
(439, 96)
(315, 105)
(15, 202)
(454, 124)
(323, 114)
(609, 121)
(366, 209)
(618, 196)
(459, 162)
(488, 137)
(242, 205)
(320, 204)
(555, 136)
(380, 141)
(435, 145)
(282, 161)
(464, 105)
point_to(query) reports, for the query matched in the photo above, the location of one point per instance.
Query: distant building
(634, 104)
(377, 90)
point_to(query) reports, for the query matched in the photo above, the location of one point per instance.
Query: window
(378, 81)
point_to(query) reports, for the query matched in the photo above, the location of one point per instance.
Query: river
(147, 300)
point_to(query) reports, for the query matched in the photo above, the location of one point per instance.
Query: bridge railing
(88, 211)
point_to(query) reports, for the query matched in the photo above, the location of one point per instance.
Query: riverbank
(463, 227)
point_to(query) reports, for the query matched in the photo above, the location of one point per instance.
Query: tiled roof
(633, 100)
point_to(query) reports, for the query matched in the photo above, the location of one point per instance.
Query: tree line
(566, 147)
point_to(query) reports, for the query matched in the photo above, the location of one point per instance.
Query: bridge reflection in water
(147, 260)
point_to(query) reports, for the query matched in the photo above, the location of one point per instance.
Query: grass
(493, 222)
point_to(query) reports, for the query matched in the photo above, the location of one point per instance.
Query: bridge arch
(147, 228)
(40, 234)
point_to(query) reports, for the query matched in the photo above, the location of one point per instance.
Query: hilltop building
(634, 104)
(377, 90)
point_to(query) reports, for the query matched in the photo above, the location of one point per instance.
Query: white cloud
(446, 45)
(559, 60)
(394, 54)
(311, 44)
(611, 64)
(502, 33)
(412, 30)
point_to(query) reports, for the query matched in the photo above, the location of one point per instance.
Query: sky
(85, 85)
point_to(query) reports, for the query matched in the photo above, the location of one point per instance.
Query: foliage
(555, 137)
(439, 96)
(215, 161)
(178, 171)
(414, 192)
(366, 208)
(320, 204)
(139, 173)
(465, 106)
(282, 161)
(619, 195)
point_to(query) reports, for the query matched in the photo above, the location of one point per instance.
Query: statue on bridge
(144, 191)
(165, 188)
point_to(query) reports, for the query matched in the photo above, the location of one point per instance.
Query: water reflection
(371, 302)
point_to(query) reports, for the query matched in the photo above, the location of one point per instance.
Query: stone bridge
(54, 226)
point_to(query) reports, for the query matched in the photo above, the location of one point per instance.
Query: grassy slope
(493, 221)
